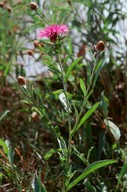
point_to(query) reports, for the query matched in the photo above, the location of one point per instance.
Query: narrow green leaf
(122, 173)
(57, 92)
(86, 116)
(49, 59)
(10, 153)
(70, 46)
(43, 188)
(83, 87)
(5, 147)
(91, 168)
(90, 187)
(2, 115)
(113, 129)
(7, 69)
(104, 104)
(50, 153)
(98, 65)
(71, 67)
(63, 99)
(37, 185)
(1, 175)
(80, 156)
(62, 146)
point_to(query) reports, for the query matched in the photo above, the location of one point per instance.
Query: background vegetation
(34, 120)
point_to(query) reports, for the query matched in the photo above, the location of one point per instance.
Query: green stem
(90, 87)
(67, 164)
(42, 16)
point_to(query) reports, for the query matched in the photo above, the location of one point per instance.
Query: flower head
(33, 6)
(35, 116)
(53, 31)
(21, 80)
(100, 46)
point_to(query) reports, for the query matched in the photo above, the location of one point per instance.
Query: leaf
(49, 59)
(62, 143)
(80, 155)
(70, 46)
(37, 185)
(10, 153)
(83, 87)
(89, 187)
(5, 147)
(91, 168)
(64, 101)
(104, 103)
(7, 69)
(113, 129)
(50, 153)
(62, 146)
(57, 92)
(122, 173)
(1, 176)
(101, 143)
(2, 115)
(86, 116)
(98, 65)
(71, 67)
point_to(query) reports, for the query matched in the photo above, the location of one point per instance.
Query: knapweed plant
(68, 120)
(59, 127)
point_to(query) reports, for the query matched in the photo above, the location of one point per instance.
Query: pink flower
(53, 31)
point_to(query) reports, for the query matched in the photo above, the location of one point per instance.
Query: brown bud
(35, 116)
(33, 6)
(9, 9)
(6, 92)
(1, 4)
(72, 142)
(19, 2)
(82, 50)
(103, 126)
(16, 28)
(37, 44)
(30, 52)
(5, 1)
(22, 80)
(69, 2)
(100, 46)
(9, 33)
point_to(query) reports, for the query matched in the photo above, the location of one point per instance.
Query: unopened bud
(82, 51)
(9, 33)
(21, 80)
(1, 4)
(5, 1)
(35, 116)
(37, 44)
(6, 92)
(30, 52)
(9, 9)
(33, 6)
(69, 2)
(19, 2)
(100, 46)
(72, 142)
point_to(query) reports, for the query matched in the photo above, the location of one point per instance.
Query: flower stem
(67, 163)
